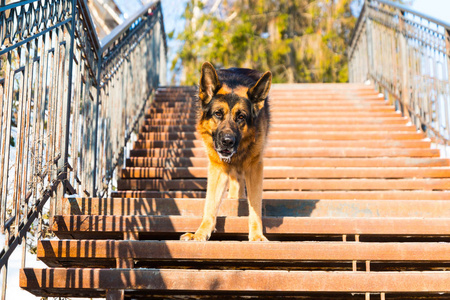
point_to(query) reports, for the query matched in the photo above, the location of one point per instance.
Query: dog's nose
(228, 140)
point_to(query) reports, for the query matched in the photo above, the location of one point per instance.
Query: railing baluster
(78, 102)
(404, 51)
(6, 133)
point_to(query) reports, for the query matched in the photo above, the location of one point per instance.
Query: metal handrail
(403, 9)
(120, 29)
(408, 9)
(406, 54)
(89, 23)
(69, 104)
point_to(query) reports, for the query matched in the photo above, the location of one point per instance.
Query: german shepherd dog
(233, 120)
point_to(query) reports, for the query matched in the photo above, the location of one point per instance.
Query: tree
(298, 40)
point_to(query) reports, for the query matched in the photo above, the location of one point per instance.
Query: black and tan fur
(233, 120)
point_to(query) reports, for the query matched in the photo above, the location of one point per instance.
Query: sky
(438, 9)
(173, 10)
(173, 21)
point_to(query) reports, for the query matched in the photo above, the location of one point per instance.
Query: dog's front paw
(258, 238)
(194, 237)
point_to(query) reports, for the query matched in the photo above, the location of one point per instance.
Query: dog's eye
(218, 114)
(241, 117)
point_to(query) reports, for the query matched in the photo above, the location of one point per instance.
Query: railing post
(96, 137)
(115, 294)
(63, 161)
(369, 40)
(162, 50)
(403, 52)
(447, 104)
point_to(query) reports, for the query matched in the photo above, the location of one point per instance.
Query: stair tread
(294, 121)
(302, 152)
(295, 184)
(297, 172)
(295, 127)
(328, 135)
(276, 116)
(234, 250)
(80, 225)
(358, 195)
(270, 207)
(295, 101)
(300, 162)
(149, 144)
(45, 281)
(289, 111)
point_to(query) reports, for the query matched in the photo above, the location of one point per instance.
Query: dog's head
(229, 111)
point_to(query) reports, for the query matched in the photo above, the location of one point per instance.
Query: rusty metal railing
(69, 104)
(406, 55)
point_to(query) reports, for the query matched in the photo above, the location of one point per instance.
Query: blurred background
(298, 40)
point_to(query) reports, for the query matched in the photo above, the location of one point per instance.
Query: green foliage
(298, 40)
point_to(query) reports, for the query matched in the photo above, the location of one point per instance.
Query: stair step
(101, 227)
(282, 101)
(297, 162)
(357, 195)
(291, 121)
(304, 101)
(295, 152)
(96, 252)
(299, 93)
(292, 172)
(293, 184)
(282, 91)
(270, 207)
(94, 282)
(284, 110)
(308, 104)
(309, 135)
(276, 87)
(280, 116)
(280, 128)
(300, 113)
(147, 144)
(319, 87)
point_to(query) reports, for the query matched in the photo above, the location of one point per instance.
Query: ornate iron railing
(406, 55)
(69, 104)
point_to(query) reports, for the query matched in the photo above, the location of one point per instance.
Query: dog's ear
(259, 92)
(209, 83)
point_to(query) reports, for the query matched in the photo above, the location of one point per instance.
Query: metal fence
(406, 55)
(69, 104)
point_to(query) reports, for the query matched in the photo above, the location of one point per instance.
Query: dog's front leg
(217, 182)
(254, 180)
(237, 186)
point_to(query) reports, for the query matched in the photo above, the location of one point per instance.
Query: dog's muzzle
(226, 147)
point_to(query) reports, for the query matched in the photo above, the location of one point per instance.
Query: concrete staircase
(356, 206)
